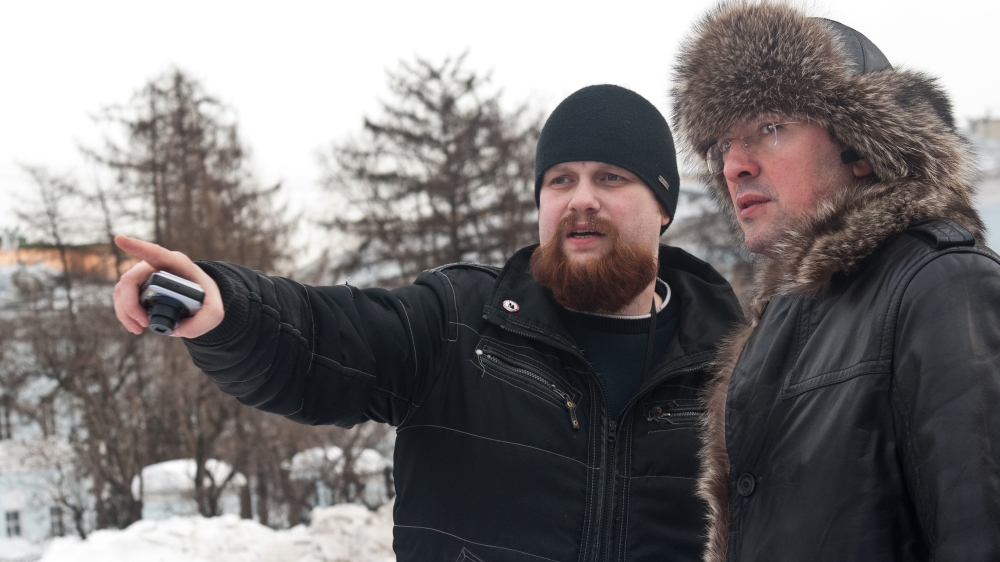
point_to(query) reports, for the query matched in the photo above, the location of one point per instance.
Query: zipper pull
(570, 405)
(612, 426)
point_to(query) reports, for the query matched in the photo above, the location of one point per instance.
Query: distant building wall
(94, 259)
(985, 127)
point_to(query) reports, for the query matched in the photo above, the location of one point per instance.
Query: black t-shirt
(616, 345)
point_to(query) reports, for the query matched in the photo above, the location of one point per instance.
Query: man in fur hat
(544, 411)
(857, 415)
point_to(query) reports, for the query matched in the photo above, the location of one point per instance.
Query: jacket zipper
(612, 436)
(560, 394)
(613, 448)
(675, 415)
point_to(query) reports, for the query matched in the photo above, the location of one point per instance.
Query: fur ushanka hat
(747, 58)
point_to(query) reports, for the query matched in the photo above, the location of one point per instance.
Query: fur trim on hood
(748, 58)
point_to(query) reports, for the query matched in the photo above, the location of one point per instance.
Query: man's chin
(759, 240)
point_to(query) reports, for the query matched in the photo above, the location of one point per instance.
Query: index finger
(158, 257)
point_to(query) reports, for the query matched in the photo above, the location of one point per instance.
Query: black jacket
(504, 448)
(864, 424)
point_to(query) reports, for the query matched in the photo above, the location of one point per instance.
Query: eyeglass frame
(744, 142)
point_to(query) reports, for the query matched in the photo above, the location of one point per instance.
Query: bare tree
(182, 172)
(65, 343)
(444, 174)
(705, 231)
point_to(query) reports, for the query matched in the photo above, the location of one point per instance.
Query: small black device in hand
(169, 298)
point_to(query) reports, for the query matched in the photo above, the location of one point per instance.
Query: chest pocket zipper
(551, 390)
(675, 412)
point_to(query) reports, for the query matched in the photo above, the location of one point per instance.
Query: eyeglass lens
(716, 156)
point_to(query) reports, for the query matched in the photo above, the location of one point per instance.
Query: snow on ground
(342, 533)
(16, 550)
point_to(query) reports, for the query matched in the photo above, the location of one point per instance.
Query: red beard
(605, 284)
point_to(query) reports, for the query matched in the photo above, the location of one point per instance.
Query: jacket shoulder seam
(489, 269)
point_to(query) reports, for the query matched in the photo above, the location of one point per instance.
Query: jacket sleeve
(320, 355)
(946, 399)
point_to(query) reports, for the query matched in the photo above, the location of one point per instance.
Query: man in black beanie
(544, 411)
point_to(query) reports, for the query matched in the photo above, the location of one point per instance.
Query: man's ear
(861, 168)
(664, 219)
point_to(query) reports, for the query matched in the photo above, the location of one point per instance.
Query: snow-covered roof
(37, 274)
(30, 456)
(311, 463)
(177, 476)
(369, 461)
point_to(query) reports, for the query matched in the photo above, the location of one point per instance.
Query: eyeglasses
(764, 139)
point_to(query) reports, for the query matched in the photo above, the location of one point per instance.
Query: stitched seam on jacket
(527, 325)
(454, 302)
(831, 378)
(413, 344)
(474, 542)
(895, 308)
(919, 500)
(591, 475)
(312, 333)
(302, 404)
(467, 326)
(627, 486)
(805, 315)
(338, 366)
(662, 476)
(498, 441)
(528, 347)
(390, 393)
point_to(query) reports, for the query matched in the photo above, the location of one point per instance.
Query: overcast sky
(302, 75)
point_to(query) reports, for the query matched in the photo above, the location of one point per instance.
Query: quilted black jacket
(504, 447)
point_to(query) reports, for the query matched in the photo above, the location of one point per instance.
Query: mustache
(590, 222)
(754, 185)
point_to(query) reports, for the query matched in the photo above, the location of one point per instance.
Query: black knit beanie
(616, 126)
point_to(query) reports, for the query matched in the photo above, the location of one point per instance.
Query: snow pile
(342, 533)
(18, 550)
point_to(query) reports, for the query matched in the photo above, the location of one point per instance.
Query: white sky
(303, 74)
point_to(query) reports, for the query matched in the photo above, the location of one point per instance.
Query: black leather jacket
(864, 424)
(504, 447)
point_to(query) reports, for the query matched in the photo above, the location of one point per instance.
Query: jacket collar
(847, 229)
(708, 308)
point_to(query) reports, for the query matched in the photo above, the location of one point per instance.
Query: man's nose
(739, 165)
(585, 197)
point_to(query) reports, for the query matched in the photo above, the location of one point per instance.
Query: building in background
(984, 134)
(167, 488)
(35, 455)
